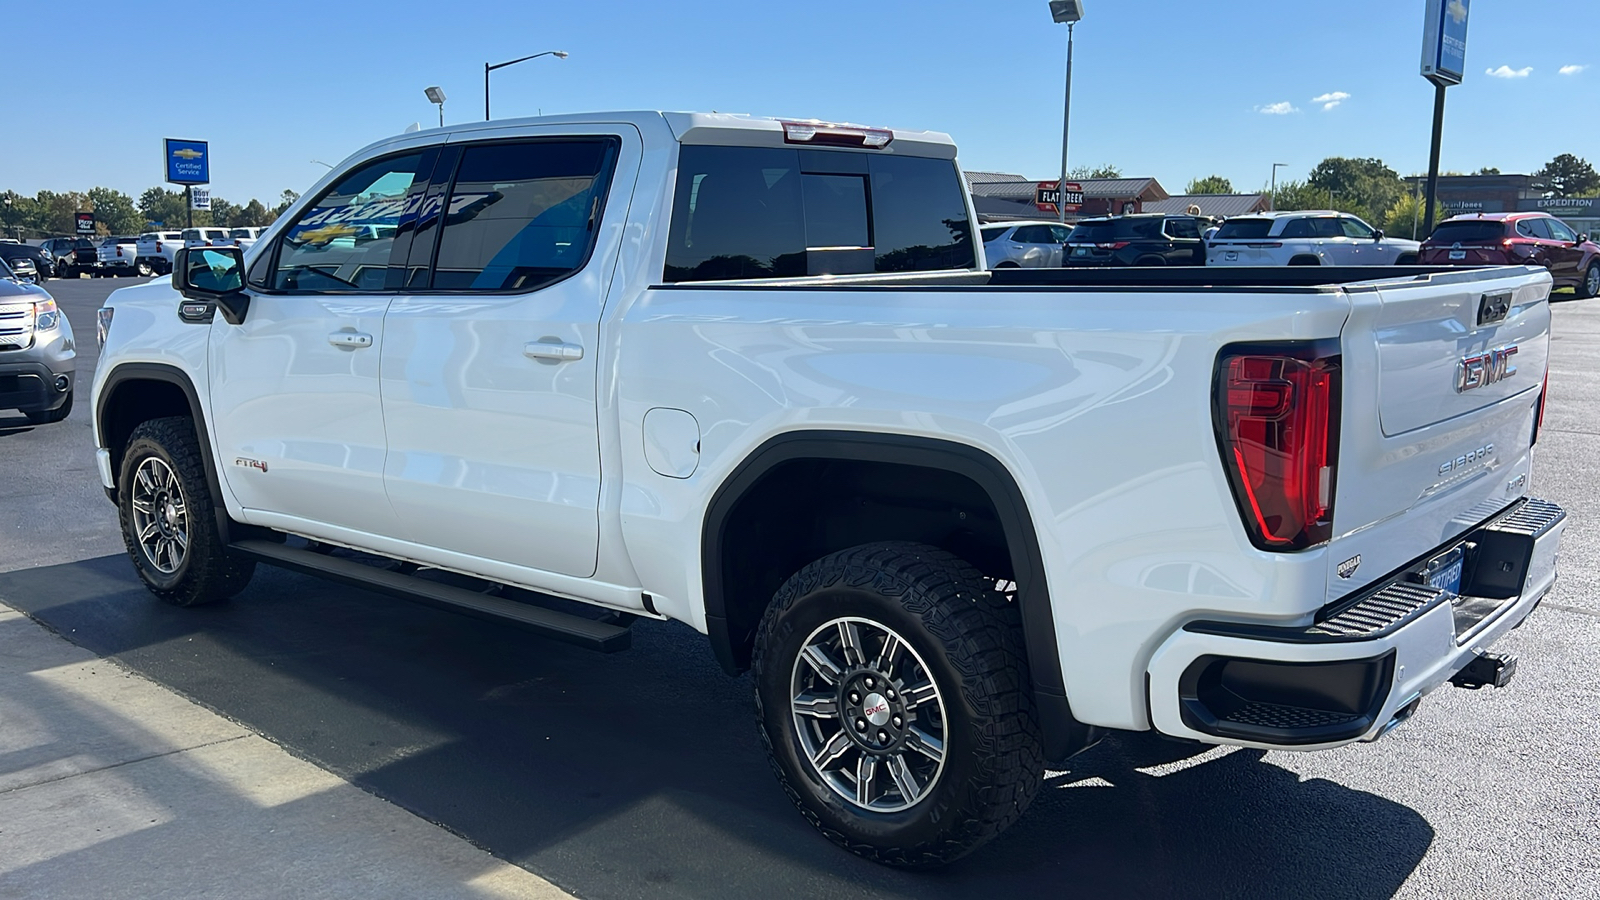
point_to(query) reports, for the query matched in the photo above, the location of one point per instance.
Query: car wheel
(45, 417)
(893, 699)
(1408, 259)
(64, 271)
(1590, 287)
(168, 521)
(145, 269)
(1305, 261)
(1008, 265)
(1148, 261)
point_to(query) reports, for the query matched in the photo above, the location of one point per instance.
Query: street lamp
(1068, 13)
(436, 95)
(558, 54)
(1272, 196)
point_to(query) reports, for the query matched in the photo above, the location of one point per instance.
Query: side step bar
(594, 635)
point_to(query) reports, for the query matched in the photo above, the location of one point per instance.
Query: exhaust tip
(62, 383)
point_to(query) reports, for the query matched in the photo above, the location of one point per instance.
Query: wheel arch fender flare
(1063, 734)
(123, 376)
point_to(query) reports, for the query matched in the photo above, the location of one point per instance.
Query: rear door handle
(351, 339)
(558, 351)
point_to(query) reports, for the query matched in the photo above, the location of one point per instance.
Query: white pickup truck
(156, 250)
(751, 376)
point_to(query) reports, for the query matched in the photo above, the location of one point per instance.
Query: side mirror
(213, 275)
(1583, 238)
(1378, 235)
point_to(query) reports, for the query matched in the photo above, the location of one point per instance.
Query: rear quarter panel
(1098, 402)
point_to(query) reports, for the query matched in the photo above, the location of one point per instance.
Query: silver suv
(1306, 238)
(37, 355)
(1029, 245)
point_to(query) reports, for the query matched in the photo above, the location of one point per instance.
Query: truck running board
(605, 637)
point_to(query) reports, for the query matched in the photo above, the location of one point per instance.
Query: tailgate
(1242, 253)
(1441, 380)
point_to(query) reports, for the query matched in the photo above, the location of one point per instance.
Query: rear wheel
(168, 517)
(1590, 286)
(893, 697)
(145, 269)
(65, 271)
(1305, 261)
(1408, 259)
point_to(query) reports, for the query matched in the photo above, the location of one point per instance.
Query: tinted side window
(1032, 234)
(736, 213)
(1183, 228)
(1244, 229)
(1559, 230)
(1355, 228)
(1059, 233)
(343, 241)
(991, 233)
(1533, 228)
(919, 214)
(521, 215)
(1138, 229)
(1327, 228)
(1298, 228)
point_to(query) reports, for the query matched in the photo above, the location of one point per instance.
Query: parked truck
(752, 376)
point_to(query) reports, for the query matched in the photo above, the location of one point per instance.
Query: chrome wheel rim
(160, 516)
(868, 715)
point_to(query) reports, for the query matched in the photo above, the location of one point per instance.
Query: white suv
(1024, 244)
(1313, 238)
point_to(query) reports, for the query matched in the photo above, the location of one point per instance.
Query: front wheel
(1590, 286)
(893, 697)
(144, 268)
(168, 520)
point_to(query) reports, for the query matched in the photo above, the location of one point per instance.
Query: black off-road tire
(970, 638)
(206, 573)
(47, 416)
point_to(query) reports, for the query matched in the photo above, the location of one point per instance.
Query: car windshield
(1244, 229)
(1474, 231)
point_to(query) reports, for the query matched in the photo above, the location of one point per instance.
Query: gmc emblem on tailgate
(1492, 367)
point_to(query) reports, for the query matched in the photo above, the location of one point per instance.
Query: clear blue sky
(1162, 87)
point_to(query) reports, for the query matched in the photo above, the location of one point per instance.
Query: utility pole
(1065, 12)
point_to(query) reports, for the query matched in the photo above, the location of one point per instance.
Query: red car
(1517, 239)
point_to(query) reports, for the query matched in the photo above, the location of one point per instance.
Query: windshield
(1470, 232)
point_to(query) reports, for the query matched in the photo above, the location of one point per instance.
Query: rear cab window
(756, 212)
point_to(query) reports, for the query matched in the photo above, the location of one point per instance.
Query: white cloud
(1330, 100)
(1508, 72)
(1572, 70)
(1277, 109)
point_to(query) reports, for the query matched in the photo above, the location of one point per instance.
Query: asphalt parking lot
(640, 774)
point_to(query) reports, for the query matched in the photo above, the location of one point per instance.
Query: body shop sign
(188, 162)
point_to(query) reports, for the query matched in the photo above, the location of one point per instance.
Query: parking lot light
(1272, 192)
(1068, 13)
(436, 95)
(558, 54)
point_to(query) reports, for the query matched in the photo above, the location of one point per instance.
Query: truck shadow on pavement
(640, 774)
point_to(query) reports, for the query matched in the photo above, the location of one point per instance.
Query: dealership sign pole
(1444, 62)
(188, 164)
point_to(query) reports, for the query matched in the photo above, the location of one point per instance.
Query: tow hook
(1487, 670)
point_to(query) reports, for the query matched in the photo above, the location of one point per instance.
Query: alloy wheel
(868, 715)
(160, 516)
(1591, 281)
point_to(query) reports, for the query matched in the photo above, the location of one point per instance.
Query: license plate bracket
(1458, 254)
(1444, 571)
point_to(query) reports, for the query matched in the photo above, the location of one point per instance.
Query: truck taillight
(1276, 412)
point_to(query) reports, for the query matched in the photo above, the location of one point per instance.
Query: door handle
(351, 339)
(554, 350)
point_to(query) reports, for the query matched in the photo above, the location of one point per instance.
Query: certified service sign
(188, 162)
(1444, 41)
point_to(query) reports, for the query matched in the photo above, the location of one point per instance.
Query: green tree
(1211, 184)
(165, 206)
(1106, 171)
(1293, 195)
(223, 212)
(1365, 187)
(286, 200)
(1488, 170)
(254, 214)
(1404, 218)
(56, 214)
(114, 211)
(1567, 176)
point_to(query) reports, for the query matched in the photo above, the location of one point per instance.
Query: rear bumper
(1362, 665)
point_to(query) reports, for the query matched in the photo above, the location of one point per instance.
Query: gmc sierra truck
(752, 376)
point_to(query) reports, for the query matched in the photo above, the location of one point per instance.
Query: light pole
(1068, 13)
(558, 54)
(436, 95)
(1272, 196)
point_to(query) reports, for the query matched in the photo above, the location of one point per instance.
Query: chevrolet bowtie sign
(188, 162)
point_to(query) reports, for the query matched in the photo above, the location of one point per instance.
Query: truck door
(490, 362)
(294, 387)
